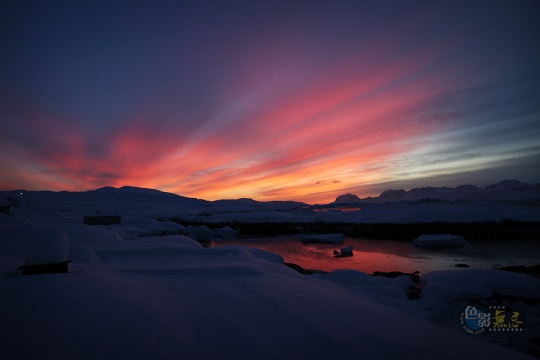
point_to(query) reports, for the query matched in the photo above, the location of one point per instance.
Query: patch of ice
(439, 240)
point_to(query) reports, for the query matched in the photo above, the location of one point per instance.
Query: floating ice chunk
(344, 252)
(324, 239)
(225, 233)
(435, 240)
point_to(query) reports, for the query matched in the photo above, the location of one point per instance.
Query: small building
(56, 268)
(102, 219)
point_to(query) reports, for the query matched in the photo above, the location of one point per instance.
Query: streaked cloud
(255, 101)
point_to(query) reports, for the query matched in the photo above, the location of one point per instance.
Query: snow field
(168, 297)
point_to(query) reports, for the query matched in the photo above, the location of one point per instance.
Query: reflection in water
(393, 255)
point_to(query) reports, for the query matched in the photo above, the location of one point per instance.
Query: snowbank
(46, 247)
(448, 286)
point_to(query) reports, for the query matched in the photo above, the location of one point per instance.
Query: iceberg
(344, 252)
(440, 240)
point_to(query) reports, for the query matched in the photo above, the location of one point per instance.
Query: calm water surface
(397, 255)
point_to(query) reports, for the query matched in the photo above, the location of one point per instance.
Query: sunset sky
(272, 100)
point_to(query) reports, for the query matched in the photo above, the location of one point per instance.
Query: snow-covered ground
(141, 290)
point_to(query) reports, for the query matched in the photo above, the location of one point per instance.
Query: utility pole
(27, 201)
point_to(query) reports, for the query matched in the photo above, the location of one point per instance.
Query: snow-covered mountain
(510, 200)
(506, 190)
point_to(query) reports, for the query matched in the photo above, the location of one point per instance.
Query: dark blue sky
(301, 100)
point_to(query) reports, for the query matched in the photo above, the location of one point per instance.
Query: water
(396, 255)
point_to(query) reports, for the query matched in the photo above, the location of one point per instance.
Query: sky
(270, 100)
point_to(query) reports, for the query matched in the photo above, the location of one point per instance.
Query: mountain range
(114, 198)
(506, 190)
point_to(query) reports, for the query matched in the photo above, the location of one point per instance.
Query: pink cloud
(278, 137)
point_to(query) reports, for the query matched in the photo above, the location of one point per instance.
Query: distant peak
(509, 185)
(128, 190)
(347, 198)
(240, 200)
(392, 193)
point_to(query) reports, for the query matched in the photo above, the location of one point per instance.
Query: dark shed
(102, 219)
